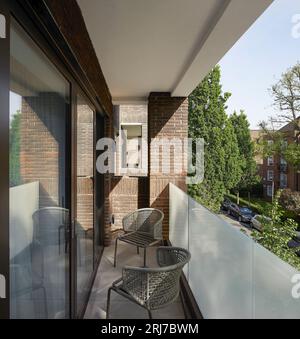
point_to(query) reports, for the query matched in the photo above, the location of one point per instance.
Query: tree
(14, 155)
(247, 152)
(208, 120)
(286, 94)
(277, 232)
(290, 200)
(233, 158)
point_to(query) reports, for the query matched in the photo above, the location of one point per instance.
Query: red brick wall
(290, 172)
(42, 145)
(42, 152)
(128, 194)
(168, 118)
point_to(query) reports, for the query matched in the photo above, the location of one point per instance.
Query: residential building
(75, 75)
(276, 172)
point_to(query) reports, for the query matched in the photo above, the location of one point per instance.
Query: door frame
(77, 91)
(31, 15)
(4, 161)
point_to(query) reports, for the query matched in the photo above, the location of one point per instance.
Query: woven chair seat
(138, 239)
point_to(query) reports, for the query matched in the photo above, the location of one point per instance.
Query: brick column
(167, 119)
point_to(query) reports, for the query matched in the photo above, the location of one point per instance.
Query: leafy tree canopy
(208, 120)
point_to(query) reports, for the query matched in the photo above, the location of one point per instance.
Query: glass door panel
(85, 201)
(39, 185)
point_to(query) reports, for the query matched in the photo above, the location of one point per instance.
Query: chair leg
(108, 303)
(115, 257)
(137, 250)
(145, 256)
(149, 314)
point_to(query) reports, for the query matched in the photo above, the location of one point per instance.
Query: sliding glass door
(39, 183)
(51, 199)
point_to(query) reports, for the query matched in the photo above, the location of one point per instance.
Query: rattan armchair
(142, 228)
(153, 288)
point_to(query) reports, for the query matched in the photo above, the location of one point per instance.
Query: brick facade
(123, 194)
(288, 132)
(127, 195)
(168, 118)
(85, 166)
(42, 146)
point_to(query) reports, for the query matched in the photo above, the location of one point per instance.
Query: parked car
(226, 203)
(243, 214)
(257, 220)
(295, 243)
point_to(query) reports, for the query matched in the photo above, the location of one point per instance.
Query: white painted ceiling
(163, 45)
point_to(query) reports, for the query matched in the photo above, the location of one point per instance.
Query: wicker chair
(143, 228)
(153, 288)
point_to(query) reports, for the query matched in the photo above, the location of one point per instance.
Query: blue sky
(259, 58)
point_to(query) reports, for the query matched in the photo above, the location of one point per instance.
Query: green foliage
(247, 152)
(277, 233)
(292, 155)
(233, 160)
(208, 120)
(290, 200)
(14, 155)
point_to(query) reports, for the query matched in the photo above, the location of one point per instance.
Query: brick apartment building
(275, 172)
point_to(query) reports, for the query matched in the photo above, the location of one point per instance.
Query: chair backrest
(146, 220)
(49, 222)
(157, 287)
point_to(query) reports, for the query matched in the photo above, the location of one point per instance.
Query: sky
(14, 103)
(258, 59)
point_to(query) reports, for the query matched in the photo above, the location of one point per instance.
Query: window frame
(270, 160)
(270, 175)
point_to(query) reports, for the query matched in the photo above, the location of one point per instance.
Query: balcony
(229, 274)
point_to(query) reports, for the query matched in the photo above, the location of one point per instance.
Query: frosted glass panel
(179, 232)
(230, 275)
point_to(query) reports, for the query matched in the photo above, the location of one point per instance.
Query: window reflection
(39, 220)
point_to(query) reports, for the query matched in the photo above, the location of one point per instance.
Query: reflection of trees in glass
(14, 155)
